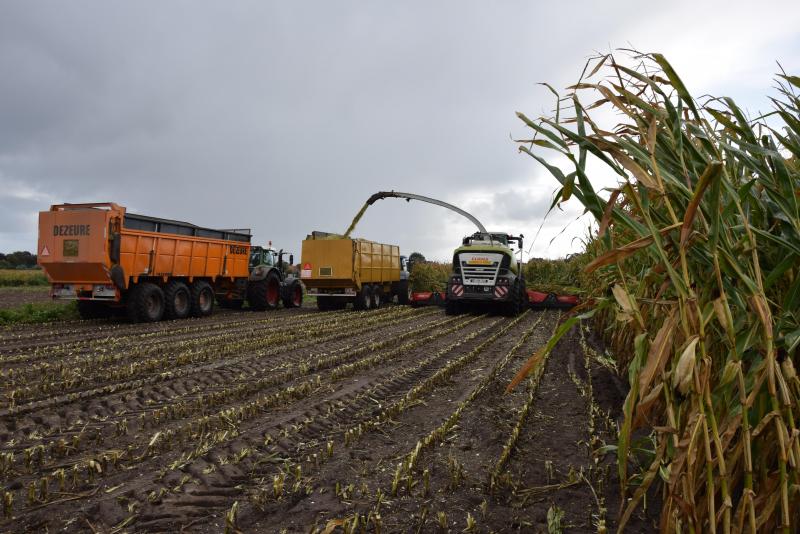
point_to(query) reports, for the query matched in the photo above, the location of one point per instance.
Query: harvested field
(395, 420)
(14, 297)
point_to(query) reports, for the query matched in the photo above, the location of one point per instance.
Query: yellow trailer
(340, 269)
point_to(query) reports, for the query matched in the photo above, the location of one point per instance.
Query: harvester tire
(292, 294)
(265, 294)
(453, 307)
(91, 309)
(517, 303)
(177, 300)
(146, 303)
(202, 299)
(377, 296)
(363, 299)
(403, 292)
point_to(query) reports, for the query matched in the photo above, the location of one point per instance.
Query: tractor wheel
(265, 294)
(202, 299)
(292, 294)
(146, 303)
(377, 296)
(403, 292)
(453, 307)
(91, 309)
(363, 299)
(177, 300)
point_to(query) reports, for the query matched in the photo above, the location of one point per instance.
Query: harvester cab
(271, 281)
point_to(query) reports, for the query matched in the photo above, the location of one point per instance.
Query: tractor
(268, 284)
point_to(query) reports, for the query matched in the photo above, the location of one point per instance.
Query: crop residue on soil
(395, 419)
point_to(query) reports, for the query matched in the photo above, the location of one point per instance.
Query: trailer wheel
(146, 303)
(403, 292)
(293, 294)
(90, 309)
(364, 298)
(377, 296)
(265, 294)
(202, 299)
(177, 300)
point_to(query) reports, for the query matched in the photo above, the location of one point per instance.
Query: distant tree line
(18, 260)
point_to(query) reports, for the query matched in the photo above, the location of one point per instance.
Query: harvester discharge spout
(410, 196)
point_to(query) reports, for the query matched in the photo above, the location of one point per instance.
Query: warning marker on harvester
(45, 252)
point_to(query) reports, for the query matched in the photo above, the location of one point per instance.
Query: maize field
(392, 420)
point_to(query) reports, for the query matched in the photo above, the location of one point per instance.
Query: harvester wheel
(377, 296)
(453, 307)
(202, 299)
(91, 309)
(293, 294)
(146, 303)
(403, 292)
(517, 303)
(364, 298)
(177, 300)
(265, 294)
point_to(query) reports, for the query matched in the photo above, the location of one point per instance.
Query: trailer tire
(91, 309)
(363, 300)
(403, 292)
(202, 299)
(293, 294)
(146, 303)
(177, 300)
(377, 296)
(231, 304)
(265, 294)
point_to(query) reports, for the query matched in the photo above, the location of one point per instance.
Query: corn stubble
(694, 274)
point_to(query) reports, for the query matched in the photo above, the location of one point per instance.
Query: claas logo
(479, 261)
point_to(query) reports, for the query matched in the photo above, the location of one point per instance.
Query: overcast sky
(284, 116)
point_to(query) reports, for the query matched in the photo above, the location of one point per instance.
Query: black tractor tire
(363, 300)
(453, 307)
(292, 294)
(177, 300)
(146, 303)
(265, 294)
(377, 296)
(92, 309)
(404, 292)
(202, 299)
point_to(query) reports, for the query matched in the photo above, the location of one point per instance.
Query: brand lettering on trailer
(237, 249)
(70, 230)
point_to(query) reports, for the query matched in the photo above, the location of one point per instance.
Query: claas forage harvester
(150, 268)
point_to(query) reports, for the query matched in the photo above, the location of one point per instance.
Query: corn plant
(696, 284)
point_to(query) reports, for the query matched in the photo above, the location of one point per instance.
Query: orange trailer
(106, 258)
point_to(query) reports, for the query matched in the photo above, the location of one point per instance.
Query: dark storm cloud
(283, 117)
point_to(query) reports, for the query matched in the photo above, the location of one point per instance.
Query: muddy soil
(293, 421)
